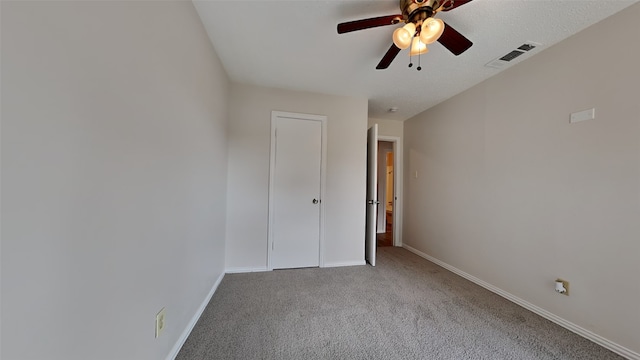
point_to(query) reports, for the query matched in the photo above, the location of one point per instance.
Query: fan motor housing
(417, 10)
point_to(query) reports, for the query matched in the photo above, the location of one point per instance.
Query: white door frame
(323, 176)
(397, 186)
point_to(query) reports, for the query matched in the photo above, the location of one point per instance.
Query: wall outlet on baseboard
(160, 322)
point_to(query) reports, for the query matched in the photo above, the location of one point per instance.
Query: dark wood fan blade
(452, 4)
(368, 23)
(454, 41)
(388, 57)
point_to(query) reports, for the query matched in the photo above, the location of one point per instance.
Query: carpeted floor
(404, 308)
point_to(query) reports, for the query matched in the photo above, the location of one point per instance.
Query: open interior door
(372, 195)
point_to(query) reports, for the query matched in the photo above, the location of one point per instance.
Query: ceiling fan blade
(454, 41)
(452, 4)
(350, 26)
(388, 57)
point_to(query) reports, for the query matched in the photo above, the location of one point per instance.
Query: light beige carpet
(404, 308)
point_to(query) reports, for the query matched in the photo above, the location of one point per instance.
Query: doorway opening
(386, 194)
(384, 207)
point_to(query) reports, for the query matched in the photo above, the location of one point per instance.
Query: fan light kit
(431, 30)
(420, 29)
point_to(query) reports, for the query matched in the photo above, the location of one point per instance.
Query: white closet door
(296, 193)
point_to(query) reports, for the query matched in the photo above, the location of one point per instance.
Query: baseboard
(244, 270)
(185, 334)
(348, 263)
(326, 265)
(616, 348)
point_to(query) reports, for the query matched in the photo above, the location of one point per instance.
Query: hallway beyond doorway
(386, 238)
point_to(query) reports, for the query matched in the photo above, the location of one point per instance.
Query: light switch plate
(160, 322)
(583, 115)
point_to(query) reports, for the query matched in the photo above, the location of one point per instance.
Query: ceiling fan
(421, 28)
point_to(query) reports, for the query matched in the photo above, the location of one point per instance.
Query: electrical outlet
(565, 286)
(160, 322)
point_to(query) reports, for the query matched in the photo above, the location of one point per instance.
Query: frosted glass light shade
(402, 36)
(431, 31)
(418, 48)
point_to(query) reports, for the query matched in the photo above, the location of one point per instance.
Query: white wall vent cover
(519, 51)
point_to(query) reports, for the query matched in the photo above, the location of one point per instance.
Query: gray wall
(511, 193)
(114, 147)
(248, 190)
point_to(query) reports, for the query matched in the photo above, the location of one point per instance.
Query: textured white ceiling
(295, 45)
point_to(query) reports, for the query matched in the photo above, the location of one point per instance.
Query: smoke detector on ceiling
(505, 59)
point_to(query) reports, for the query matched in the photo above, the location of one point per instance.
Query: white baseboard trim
(348, 263)
(245, 270)
(616, 348)
(326, 265)
(187, 331)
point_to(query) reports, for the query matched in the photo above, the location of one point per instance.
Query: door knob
(315, 201)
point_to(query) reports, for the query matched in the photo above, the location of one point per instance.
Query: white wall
(114, 146)
(388, 127)
(511, 193)
(248, 190)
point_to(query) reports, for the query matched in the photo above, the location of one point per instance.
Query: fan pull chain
(418, 33)
(410, 58)
(411, 64)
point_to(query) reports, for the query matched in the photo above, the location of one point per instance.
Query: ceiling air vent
(505, 59)
(512, 55)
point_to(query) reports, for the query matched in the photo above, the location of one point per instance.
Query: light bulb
(418, 48)
(402, 36)
(431, 31)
